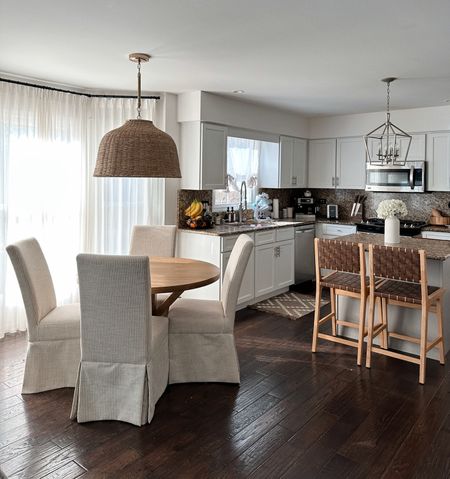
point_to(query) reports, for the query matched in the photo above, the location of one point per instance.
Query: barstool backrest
(402, 264)
(338, 255)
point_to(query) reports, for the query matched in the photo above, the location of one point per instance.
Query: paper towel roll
(276, 208)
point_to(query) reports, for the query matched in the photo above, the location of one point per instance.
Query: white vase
(392, 230)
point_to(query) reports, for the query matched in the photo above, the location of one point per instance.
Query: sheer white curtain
(48, 147)
(114, 205)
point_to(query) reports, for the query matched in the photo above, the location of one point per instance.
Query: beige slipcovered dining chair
(53, 351)
(150, 240)
(124, 364)
(153, 240)
(201, 337)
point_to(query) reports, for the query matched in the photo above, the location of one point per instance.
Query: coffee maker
(305, 206)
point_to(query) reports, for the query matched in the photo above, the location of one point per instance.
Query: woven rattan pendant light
(138, 148)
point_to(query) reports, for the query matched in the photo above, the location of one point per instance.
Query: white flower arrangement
(391, 208)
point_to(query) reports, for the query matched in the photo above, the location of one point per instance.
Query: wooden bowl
(439, 220)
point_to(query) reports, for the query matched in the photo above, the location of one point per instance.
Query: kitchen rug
(291, 305)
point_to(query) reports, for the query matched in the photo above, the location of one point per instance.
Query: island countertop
(435, 249)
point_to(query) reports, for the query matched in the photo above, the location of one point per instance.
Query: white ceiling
(317, 57)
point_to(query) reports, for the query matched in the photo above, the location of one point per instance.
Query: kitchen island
(406, 320)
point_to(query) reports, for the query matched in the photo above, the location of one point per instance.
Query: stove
(376, 225)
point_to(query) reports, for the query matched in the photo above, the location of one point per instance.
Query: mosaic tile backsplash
(419, 204)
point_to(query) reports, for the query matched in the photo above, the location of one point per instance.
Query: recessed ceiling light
(238, 92)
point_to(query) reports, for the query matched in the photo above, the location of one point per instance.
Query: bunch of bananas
(195, 210)
(195, 215)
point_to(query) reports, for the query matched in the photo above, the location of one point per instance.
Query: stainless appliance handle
(298, 232)
(411, 177)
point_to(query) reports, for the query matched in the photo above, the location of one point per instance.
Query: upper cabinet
(350, 164)
(203, 156)
(438, 162)
(293, 162)
(322, 163)
(416, 149)
(289, 170)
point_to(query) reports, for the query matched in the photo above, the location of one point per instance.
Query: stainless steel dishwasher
(304, 253)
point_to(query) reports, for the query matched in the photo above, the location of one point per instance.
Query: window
(48, 149)
(243, 158)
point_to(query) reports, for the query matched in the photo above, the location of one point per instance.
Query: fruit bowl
(199, 223)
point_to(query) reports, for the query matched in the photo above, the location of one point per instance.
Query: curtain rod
(89, 95)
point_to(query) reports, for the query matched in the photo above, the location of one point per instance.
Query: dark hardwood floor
(295, 415)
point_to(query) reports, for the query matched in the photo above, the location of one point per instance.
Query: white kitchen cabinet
(290, 171)
(264, 269)
(270, 268)
(284, 266)
(416, 149)
(437, 235)
(274, 260)
(247, 291)
(274, 267)
(293, 162)
(438, 162)
(350, 163)
(333, 230)
(203, 156)
(322, 163)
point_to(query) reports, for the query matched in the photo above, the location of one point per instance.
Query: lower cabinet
(269, 270)
(247, 291)
(438, 235)
(264, 269)
(333, 230)
(274, 267)
(284, 264)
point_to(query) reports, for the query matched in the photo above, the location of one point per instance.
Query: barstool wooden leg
(385, 332)
(370, 330)
(333, 311)
(423, 343)
(316, 317)
(440, 331)
(362, 327)
(379, 303)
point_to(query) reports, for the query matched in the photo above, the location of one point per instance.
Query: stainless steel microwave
(406, 179)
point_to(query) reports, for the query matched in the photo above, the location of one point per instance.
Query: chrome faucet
(242, 216)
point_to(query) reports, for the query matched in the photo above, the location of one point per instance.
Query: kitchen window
(243, 159)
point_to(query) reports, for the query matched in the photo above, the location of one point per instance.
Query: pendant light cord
(139, 90)
(388, 99)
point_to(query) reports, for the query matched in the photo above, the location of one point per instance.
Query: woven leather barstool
(347, 278)
(398, 276)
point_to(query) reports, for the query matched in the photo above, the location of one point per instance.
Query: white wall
(412, 121)
(202, 106)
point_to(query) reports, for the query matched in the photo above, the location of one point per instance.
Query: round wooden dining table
(176, 275)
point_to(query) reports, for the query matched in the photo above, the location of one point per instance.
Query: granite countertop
(435, 249)
(228, 230)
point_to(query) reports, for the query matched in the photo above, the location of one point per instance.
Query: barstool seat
(344, 281)
(402, 291)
